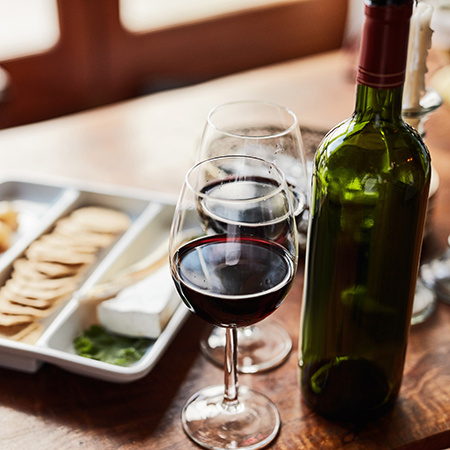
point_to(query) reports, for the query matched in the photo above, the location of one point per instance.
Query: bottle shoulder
(355, 155)
(372, 135)
(368, 144)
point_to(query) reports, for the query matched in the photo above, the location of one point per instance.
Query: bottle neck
(378, 104)
(381, 70)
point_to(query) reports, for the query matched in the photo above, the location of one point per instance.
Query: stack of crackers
(52, 267)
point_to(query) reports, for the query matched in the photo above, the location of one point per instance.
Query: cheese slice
(143, 309)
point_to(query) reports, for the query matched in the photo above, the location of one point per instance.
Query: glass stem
(230, 399)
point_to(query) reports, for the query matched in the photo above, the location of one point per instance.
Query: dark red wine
(268, 149)
(232, 281)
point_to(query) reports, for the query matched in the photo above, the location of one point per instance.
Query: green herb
(97, 343)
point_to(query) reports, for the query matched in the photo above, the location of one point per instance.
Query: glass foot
(424, 303)
(250, 423)
(436, 276)
(260, 347)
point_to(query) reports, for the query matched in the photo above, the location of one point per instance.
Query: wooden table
(149, 143)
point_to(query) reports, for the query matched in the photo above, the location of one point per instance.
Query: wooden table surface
(149, 143)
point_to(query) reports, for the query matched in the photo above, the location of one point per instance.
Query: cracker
(30, 334)
(101, 220)
(10, 320)
(73, 231)
(8, 215)
(5, 236)
(27, 270)
(50, 284)
(96, 240)
(54, 269)
(37, 292)
(77, 245)
(7, 307)
(19, 331)
(19, 299)
(40, 251)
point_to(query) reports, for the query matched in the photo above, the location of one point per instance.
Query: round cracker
(19, 331)
(30, 270)
(101, 220)
(27, 269)
(41, 251)
(59, 240)
(44, 283)
(74, 232)
(55, 269)
(30, 334)
(7, 307)
(12, 320)
(36, 292)
(19, 299)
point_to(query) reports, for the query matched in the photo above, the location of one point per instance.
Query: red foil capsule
(384, 45)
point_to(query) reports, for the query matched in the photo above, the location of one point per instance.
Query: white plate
(39, 206)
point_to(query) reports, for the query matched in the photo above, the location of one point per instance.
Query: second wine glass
(271, 132)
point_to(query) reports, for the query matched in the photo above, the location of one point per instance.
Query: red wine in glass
(270, 132)
(233, 281)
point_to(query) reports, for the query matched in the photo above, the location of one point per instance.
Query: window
(64, 56)
(27, 27)
(146, 15)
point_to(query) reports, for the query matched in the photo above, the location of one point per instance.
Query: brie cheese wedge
(143, 309)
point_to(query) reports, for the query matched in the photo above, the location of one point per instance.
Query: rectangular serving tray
(40, 205)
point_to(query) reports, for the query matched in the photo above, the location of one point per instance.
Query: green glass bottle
(368, 205)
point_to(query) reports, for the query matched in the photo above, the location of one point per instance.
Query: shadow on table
(123, 413)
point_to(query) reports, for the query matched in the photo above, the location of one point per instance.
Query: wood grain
(149, 143)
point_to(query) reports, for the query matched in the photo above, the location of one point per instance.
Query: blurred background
(62, 56)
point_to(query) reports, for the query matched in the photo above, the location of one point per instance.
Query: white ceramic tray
(39, 206)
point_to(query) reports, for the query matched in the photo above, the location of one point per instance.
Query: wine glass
(435, 274)
(271, 132)
(233, 256)
(425, 298)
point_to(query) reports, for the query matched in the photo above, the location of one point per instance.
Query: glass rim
(283, 132)
(281, 185)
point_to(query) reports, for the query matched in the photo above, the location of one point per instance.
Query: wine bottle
(369, 196)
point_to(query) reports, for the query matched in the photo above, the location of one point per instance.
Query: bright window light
(27, 27)
(146, 15)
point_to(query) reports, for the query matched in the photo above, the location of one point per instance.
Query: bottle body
(369, 198)
(370, 190)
